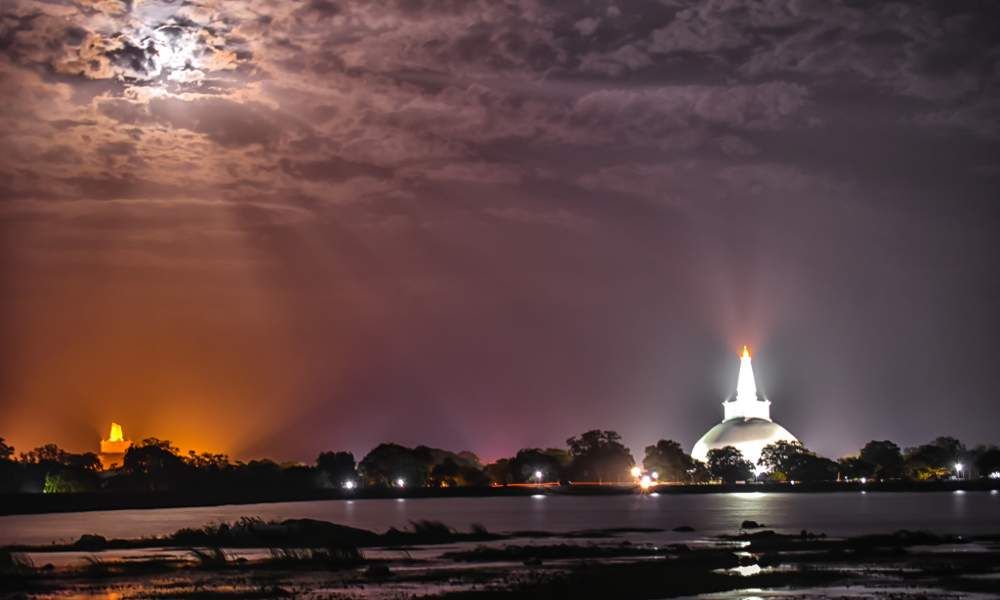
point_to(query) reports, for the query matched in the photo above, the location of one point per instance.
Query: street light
(349, 485)
(654, 475)
(645, 482)
(958, 469)
(636, 472)
(401, 482)
(538, 477)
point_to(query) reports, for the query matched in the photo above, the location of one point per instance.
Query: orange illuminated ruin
(113, 449)
(116, 429)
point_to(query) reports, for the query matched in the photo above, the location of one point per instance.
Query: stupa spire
(746, 385)
(746, 404)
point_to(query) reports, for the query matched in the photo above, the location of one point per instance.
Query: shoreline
(33, 504)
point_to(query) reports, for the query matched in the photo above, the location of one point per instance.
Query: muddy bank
(252, 532)
(316, 559)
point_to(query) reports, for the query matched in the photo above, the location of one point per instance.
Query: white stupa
(746, 422)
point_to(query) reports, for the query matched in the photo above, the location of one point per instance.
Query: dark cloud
(321, 8)
(401, 220)
(332, 169)
(225, 122)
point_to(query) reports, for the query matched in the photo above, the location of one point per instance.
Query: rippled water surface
(710, 514)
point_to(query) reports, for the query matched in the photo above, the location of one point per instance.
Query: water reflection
(745, 570)
(709, 514)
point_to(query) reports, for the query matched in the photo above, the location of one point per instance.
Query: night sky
(275, 228)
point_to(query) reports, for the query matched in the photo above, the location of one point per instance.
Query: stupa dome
(746, 423)
(749, 436)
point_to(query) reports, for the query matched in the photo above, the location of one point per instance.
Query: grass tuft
(210, 558)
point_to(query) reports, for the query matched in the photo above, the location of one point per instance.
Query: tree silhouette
(782, 457)
(387, 463)
(988, 461)
(669, 461)
(935, 460)
(552, 462)
(885, 458)
(206, 461)
(156, 463)
(49, 453)
(599, 456)
(338, 467)
(6, 452)
(727, 463)
(853, 467)
(792, 460)
(49, 468)
(500, 472)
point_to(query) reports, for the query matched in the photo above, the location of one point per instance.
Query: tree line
(594, 456)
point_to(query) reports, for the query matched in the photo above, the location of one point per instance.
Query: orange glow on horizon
(746, 352)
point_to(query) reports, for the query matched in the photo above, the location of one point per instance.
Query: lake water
(838, 514)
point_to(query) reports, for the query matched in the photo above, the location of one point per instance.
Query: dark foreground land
(16, 504)
(315, 559)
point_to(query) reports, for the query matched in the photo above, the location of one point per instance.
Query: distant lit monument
(746, 423)
(113, 449)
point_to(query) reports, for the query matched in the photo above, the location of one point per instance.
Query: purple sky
(275, 228)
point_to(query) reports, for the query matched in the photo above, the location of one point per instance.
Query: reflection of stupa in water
(113, 449)
(746, 423)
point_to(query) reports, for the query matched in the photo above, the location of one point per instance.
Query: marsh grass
(95, 568)
(426, 531)
(14, 560)
(210, 558)
(334, 558)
